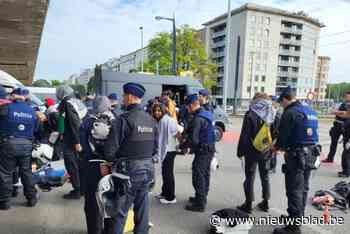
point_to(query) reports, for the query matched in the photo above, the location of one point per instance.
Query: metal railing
(288, 63)
(291, 41)
(218, 44)
(290, 52)
(288, 73)
(292, 30)
(218, 54)
(219, 34)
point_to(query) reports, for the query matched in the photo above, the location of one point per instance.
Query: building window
(248, 89)
(259, 44)
(268, 20)
(267, 33)
(257, 67)
(256, 78)
(253, 18)
(263, 78)
(262, 89)
(256, 89)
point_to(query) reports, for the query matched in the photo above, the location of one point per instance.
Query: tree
(337, 91)
(55, 83)
(91, 86)
(41, 83)
(190, 56)
(79, 89)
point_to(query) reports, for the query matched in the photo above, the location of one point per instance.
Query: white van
(10, 83)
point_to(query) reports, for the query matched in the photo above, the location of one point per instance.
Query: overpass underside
(21, 26)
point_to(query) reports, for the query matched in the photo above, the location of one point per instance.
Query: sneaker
(31, 202)
(263, 206)
(195, 208)
(165, 201)
(343, 175)
(246, 207)
(159, 196)
(72, 195)
(5, 206)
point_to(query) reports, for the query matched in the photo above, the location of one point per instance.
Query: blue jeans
(141, 174)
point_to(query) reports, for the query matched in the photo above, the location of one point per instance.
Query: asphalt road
(55, 215)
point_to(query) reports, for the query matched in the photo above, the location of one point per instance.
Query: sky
(81, 33)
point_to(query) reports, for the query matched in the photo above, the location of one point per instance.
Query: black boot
(264, 206)
(195, 207)
(14, 191)
(192, 199)
(246, 207)
(5, 206)
(289, 229)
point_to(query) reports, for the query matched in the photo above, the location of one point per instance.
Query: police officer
(337, 130)
(298, 136)
(204, 100)
(92, 162)
(138, 144)
(202, 142)
(17, 125)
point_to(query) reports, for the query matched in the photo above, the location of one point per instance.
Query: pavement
(54, 215)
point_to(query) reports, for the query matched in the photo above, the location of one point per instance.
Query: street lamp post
(174, 39)
(141, 29)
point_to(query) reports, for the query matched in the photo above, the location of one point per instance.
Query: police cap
(191, 99)
(21, 92)
(134, 89)
(3, 92)
(113, 96)
(286, 93)
(204, 92)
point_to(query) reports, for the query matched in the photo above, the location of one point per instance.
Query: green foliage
(41, 83)
(91, 86)
(337, 91)
(79, 89)
(55, 83)
(190, 55)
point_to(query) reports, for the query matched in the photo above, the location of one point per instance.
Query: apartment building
(131, 61)
(322, 77)
(270, 49)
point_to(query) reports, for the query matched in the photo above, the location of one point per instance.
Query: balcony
(219, 34)
(218, 54)
(285, 84)
(221, 64)
(291, 42)
(289, 52)
(292, 30)
(218, 44)
(288, 74)
(221, 74)
(220, 83)
(288, 63)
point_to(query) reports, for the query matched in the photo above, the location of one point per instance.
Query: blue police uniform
(17, 125)
(202, 143)
(298, 136)
(206, 106)
(137, 137)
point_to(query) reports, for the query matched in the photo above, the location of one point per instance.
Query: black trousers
(72, 164)
(297, 184)
(94, 220)
(168, 187)
(8, 165)
(345, 161)
(201, 175)
(250, 170)
(335, 133)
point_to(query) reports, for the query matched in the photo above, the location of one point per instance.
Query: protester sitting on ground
(168, 131)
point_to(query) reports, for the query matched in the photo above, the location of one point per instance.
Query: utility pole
(141, 29)
(227, 54)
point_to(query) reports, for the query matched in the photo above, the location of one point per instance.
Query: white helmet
(111, 193)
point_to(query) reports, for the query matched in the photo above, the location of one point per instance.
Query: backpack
(100, 130)
(263, 139)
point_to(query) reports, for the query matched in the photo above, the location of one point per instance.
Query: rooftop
(271, 10)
